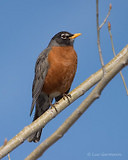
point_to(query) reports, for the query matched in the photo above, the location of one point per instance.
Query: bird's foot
(53, 106)
(68, 96)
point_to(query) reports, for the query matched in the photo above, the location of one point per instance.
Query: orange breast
(62, 69)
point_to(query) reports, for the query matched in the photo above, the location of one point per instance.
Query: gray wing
(41, 70)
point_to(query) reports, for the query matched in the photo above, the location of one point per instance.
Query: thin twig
(110, 7)
(98, 31)
(77, 113)
(98, 36)
(51, 113)
(9, 157)
(113, 49)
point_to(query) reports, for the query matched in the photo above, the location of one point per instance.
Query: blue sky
(26, 28)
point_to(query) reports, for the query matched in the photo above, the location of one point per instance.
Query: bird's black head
(63, 39)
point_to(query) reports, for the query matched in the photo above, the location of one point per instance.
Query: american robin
(54, 72)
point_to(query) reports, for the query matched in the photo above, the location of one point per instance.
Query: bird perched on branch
(54, 72)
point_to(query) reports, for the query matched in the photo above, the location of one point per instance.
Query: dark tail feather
(36, 136)
(42, 104)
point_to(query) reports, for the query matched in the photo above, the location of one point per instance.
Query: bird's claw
(53, 106)
(67, 96)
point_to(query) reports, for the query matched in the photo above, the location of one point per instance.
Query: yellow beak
(75, 35)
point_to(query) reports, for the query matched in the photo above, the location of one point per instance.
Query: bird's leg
(67, 96)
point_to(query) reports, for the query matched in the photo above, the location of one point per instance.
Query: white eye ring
(63, 36)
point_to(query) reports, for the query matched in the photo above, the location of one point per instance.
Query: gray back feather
(41, 70)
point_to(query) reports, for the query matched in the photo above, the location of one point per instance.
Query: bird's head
(63, 39)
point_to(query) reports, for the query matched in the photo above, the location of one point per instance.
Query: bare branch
(113, 49)
(5, 142)
(51, 113)
(78, 112)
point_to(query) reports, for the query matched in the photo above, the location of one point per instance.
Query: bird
(54, 73)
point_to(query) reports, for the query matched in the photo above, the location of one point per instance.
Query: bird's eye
(63, 36)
